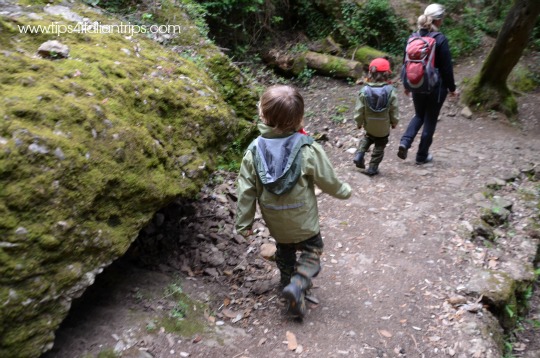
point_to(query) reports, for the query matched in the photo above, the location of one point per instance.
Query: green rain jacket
(290, 166)
(377, 109)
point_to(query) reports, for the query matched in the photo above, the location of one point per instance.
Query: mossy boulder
(498, 291)
(91, 146)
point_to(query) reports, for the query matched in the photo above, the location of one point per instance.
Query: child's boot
(372, 170)
(359, 160)
(294, 294)
(284, 280)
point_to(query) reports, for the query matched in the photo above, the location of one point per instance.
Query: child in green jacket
(376, 111)
(279, 171)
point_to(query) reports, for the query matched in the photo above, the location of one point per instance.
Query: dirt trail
(391, 256)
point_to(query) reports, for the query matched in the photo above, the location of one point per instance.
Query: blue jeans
(427, 108)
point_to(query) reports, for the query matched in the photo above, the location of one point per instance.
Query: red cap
(381, 65)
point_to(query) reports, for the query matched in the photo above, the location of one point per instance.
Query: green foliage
(299, 48)
(337, 118)
(466, 23)
(237, 23)
(151, 327)
(180, 309)
(197, 14)
(374, 24)
(305, 76)
(187, 315)
(342, 109)
(508, 347)
(116, 6)
(315, 23)
(464, 35)
(535, 36)
(510, 310)
(228, 164)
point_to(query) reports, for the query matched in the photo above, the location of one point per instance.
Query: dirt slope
(394, 254)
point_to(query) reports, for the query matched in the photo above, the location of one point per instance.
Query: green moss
(107, 353)
(92, 146)
(523, 80)
(235, 88)
(366, 54)
(485, 97)
(337, 66)
(187, 316)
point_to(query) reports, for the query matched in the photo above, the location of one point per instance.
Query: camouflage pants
(307, 266)
(378, 151)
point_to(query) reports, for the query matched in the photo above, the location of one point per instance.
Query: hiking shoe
(402, 152)
(372, 170)
(359, 160)
(295, 297)
(428, 159)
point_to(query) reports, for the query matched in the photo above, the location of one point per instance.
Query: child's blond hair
(375, 76)
(282, 107)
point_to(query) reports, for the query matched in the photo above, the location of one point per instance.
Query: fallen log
(366, 54)
(326, 45)
(328, 65)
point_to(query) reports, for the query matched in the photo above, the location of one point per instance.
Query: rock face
(91, 146)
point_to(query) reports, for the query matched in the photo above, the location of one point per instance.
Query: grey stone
(483, 229)
(466, 112)
(496, 215)
(502, 202)
(53, 49)
(532, 354)
(63, 11)
(509, 175)
(498, 290)
(495, 183)
(210, 271)
(496, 287)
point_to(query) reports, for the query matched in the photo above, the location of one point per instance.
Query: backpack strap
(433, 34)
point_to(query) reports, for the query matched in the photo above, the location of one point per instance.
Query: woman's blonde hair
(282, 107)
(426, 22)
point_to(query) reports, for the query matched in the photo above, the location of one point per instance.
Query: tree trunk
(489, 87)
(328, 65)
(326, 45)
